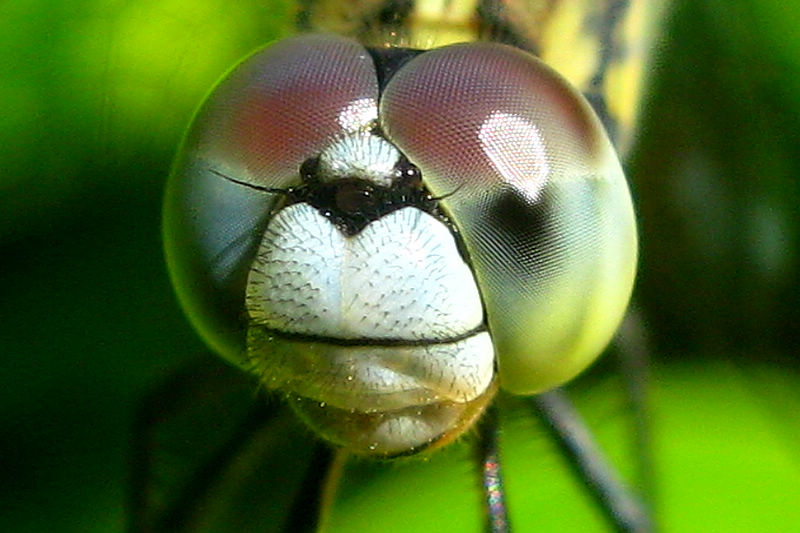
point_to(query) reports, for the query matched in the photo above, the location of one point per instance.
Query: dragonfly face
(387, 236)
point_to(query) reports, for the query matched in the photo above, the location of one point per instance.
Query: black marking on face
(364, 341)
(351, 203)
(390, 60)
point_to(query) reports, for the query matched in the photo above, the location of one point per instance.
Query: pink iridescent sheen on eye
(529, 177)
(440, 103)
(286, 102)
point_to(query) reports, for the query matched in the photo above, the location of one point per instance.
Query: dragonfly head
(389, 252)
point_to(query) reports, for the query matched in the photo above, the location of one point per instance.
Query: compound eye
(274, 110)
(283, 103)
(529, 177)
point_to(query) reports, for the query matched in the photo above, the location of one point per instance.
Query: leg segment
(491, 473)
(624, 510)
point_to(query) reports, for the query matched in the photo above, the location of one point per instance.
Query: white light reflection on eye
(359, 114)
(516, 149)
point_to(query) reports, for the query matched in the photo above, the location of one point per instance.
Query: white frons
(400, 278)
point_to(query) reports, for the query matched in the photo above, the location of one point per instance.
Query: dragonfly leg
(625, 511)
(632, 352)
(147, 512)
(309, 507)
(491, 473)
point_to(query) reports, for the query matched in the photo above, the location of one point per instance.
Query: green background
(94, 97)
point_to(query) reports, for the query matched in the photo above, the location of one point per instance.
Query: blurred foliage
(716, 181)
(95, 96)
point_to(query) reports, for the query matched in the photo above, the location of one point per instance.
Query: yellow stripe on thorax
(435, 23)
(572, 36)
